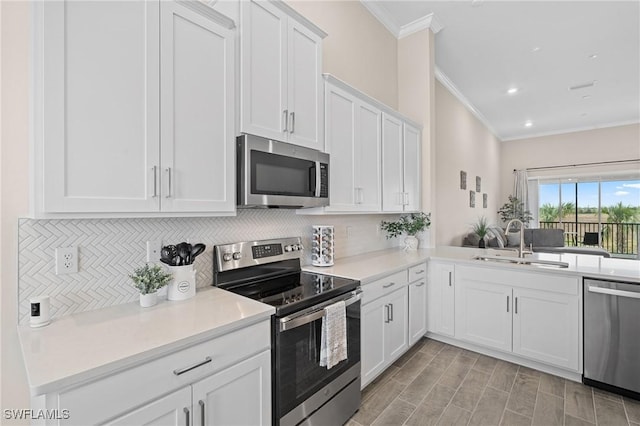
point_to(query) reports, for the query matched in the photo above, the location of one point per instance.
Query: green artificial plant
(411, 225)
(148, 279)
(481, 227)
(514, 209)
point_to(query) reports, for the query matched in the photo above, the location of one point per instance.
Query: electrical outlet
(153, 250)
(66, 260)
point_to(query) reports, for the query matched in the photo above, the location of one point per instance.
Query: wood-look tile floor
(438, 384)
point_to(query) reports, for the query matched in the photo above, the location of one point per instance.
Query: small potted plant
(148, 279)
(410, 225)
(481, 229)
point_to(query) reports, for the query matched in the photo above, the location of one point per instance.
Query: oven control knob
(226, 257)
(288, 248)
(297, 247)
(237, 255)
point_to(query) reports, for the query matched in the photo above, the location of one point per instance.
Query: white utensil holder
(183, 284)
(322, 246)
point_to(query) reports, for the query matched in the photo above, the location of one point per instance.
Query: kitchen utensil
(176, 261)
(196, 250)
(183, 252)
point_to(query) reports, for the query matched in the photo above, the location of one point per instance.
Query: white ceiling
(486, 47)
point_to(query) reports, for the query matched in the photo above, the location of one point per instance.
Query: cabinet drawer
(384, 286)
(97, 401)
(418, 272)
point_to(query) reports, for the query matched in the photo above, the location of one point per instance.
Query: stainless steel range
(303, 391)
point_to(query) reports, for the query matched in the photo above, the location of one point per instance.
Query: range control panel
(250, 253)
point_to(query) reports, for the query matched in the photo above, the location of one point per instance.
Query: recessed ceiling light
(593, 56)
(536, 49)
(528, 123)
(512, 90)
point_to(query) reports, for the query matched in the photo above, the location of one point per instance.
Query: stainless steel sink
(522, 261)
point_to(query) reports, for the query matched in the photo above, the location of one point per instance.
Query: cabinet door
(397, 330)
(441, 299)
(483, 312)
(197, 110)
(373, 324)
(340, 133)
(238, 395)
(367, 157)
(99, 120)
(173, 409)
(546, 327)
(417, 310)
(392, 158)
(263, 70)
(304, 57)
(412, 160)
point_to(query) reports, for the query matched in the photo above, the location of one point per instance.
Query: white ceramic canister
(183, 284)
(40, 311)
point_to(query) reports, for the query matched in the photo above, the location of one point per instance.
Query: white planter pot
(411, 243)
(149, 299)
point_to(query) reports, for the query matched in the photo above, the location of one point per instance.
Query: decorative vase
(183, 284)
(481, 243)
(410, 242)
(149, 299)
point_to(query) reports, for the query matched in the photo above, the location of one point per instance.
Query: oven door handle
(290, 322)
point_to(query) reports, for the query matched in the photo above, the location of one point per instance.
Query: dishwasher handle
(614, 292)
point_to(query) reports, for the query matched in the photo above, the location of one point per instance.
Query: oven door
(297, 371)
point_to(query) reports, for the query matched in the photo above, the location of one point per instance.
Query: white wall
(591, 146)
(358, 50)
(14, 84)
(462, 143)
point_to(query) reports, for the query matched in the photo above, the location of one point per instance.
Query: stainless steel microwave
(274, 174)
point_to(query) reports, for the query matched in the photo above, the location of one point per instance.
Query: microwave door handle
(318, 183)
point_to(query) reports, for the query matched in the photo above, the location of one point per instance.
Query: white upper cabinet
(400, 165)
(197, 122)
(353, 141)
(97, 106)
(281, 65)
(120, 130)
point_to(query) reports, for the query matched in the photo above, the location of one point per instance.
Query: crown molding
(448, 84)
(572, 130)
(380, 13)
(426, 22)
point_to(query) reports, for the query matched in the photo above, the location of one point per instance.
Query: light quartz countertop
(84, 346)
(372, 266)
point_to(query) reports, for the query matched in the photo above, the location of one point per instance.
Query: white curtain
(521, 187)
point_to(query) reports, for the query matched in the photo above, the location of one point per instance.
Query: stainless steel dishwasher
(612, 336)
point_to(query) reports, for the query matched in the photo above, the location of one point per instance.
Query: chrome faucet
(521, 250)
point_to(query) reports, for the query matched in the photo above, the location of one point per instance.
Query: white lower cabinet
(441, 298)
(535, 316)
(393, 319)
(222, 381)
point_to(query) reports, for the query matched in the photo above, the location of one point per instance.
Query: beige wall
(592, 146)
(14, 87)
(462, 143)
(416, 100)
(358, 50)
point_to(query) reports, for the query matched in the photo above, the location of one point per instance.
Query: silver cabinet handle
(516, 310)
(387, 314)
(180, 371)
(293, 122)
(420, 271)
(421, 284)
(388, 285)
(168, 170)
(201, 402)
(391, 304)
(155, 181)
(286, 120)
(449, 278)
(186, 414)
(614, 292)
(507, 303)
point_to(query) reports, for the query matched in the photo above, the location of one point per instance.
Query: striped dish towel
(333, 346)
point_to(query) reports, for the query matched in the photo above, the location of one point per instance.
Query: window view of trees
(609, 208)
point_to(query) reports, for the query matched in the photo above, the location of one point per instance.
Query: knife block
(183, 284)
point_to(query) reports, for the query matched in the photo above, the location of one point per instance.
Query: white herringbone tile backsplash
(109, 249)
